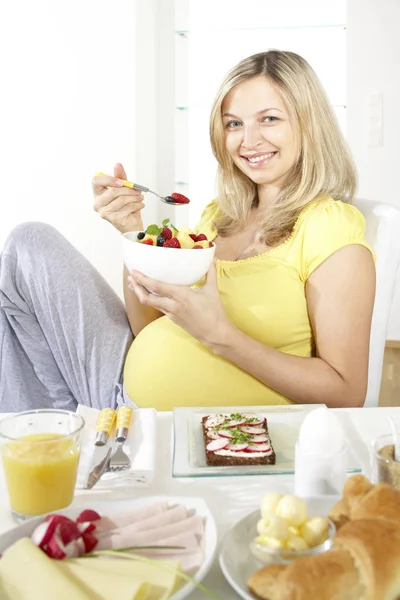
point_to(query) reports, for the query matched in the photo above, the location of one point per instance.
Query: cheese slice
(162, 574)
(106, 587)
(26, 573)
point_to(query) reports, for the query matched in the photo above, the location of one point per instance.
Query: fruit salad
(168, 236)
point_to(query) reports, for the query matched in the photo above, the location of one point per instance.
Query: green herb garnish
(153, 230)
(235, 417)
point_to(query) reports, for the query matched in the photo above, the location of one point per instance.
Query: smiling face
(259, 134)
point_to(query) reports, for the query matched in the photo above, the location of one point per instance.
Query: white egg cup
(319, 474)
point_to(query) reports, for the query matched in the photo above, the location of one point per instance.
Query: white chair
(383, 235)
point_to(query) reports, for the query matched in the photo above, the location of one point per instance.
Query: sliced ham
(191, 556)
(172, 515)
(123, 538)
(130, 517)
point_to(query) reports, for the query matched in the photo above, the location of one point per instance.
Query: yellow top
(264, 296)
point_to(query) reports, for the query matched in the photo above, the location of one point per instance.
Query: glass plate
(189, 458)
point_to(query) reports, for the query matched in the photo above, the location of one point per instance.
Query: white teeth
(257, 159)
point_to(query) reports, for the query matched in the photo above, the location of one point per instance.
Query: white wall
(67, 109)
(373, 51)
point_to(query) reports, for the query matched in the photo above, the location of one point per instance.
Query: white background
(86, 83)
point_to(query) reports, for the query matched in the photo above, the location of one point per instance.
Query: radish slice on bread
(214, 421)
(258, 448)
(255, 419)
(237, 447)
(253, 430)
(259, 439)
(218, 444)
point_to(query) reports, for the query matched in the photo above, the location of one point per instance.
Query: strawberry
(167, 233)
(193, 236)
(180, 198)
(172, 243)
(197, 246)
(149, 242)
(210, 244)
(200, 237)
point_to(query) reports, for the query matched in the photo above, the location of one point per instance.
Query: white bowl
(178, 266)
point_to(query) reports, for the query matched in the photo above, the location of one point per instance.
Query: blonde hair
(324, 166)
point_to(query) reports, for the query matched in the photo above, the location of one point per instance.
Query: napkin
(140, 447)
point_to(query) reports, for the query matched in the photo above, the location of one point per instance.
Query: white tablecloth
(229, 498)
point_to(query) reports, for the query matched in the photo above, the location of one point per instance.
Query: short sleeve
(327, 226)
(207, 220)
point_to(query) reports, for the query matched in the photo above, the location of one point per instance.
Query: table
(229, 498)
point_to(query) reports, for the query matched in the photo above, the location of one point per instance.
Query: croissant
(364, 563)
(363, 500)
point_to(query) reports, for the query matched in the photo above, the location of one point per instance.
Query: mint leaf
(153, 230)
(165, 223)
(173, 227)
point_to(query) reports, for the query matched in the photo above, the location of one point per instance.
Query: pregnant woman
(285, 313)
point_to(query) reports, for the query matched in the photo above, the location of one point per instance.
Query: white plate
(284, 422)
(236, 561)
(114, 507)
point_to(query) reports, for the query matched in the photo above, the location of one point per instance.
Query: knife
(104, 425)
(98, 471)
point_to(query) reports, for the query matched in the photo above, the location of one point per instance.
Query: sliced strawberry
(217, 445)
(180, 198)
(197, 246)
(172, 243)
(210, 244)
(201, 237)
(148, 242)
(193, 236)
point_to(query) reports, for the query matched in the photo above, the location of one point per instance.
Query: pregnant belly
(166, 368)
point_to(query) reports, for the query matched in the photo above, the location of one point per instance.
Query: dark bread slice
(216, 460)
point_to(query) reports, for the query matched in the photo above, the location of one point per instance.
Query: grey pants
(64, 332)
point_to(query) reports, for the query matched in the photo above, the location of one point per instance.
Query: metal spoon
(396, 440)
(135, 186)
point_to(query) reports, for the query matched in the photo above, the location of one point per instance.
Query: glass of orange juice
(40, 451)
